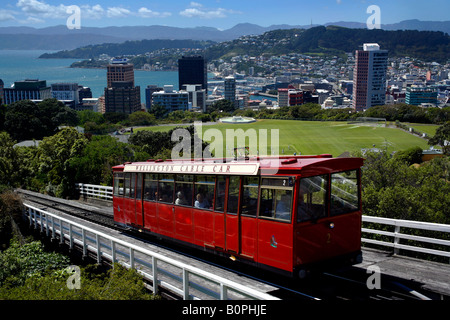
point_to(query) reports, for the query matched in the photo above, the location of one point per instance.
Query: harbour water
(17, 65)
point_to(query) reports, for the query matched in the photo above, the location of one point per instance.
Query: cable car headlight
(331, 225)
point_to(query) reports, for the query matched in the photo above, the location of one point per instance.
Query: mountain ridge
(20, 37)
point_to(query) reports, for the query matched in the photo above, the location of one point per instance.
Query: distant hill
(334, 40)
(135, 47)
(61, 38)
(424, 45)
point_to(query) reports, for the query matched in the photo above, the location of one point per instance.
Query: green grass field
(315, 137)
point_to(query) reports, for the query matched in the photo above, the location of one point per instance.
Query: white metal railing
(399, 233)
(95, 191)
(187, 281)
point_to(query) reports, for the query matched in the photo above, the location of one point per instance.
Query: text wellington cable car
(307, 212)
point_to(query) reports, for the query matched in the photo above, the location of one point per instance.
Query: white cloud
(6, 15)
(147, 13)
(195, 4)
(117, 12)
(34, 11)
(196, 10)
(92, 12)
(35, 8)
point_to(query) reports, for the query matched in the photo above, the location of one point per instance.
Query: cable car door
(232, 233)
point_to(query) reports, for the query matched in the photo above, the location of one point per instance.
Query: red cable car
(286, 214)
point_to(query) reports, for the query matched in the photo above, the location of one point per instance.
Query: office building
(123, 98)
(290, 97)
(418, 95)
(29, 89)
(66, 91)
(369, 77)
(230, 89)
(149, 95)
(196, 96)
(170, 99)
(121, 95)
(119, 71)
(192, 70)
(84, 93)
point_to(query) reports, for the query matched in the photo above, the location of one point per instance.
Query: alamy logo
(256, 142)
(374, 21)
(74, 20)
(374, 280)
(74, 281)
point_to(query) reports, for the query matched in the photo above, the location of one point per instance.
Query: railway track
(346, 284)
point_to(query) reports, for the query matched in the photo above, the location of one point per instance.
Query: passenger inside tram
(201, 202)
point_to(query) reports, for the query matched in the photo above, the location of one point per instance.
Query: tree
(26, 120)
(54, 156)
(94, 164)
(442, 138)
(9, 163)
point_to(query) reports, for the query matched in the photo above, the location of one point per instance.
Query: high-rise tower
(369, 77)
(120, 94)
(192, 70)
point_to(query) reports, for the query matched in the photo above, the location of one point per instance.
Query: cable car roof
(320, 164)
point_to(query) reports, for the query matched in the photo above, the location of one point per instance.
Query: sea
(17, 65)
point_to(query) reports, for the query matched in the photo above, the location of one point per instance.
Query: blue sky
(222, 14)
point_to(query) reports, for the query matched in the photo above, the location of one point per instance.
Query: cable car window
(165, 188)
(344, 192)
(150, 187)
(139, 186)
(312, 197)
(233, 195)
(204, 192)
(118, 184)
(127, 184)
(220, 193)
(183, 190)
(249, 203)
(276, 203)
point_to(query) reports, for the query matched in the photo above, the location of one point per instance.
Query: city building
(419, 95)
(123, 98)
(295, 97)
(84, 92)
(369, 77)
(197, 96)
(192, 70)
(119, 71)
(151, 88)
(170, 99)
(290, 97)
(29, 89)
(66, 91)
(230, 89)
(121, 95)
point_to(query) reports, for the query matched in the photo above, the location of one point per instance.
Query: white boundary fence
(95, 191)
(401, 232)
(187, 281)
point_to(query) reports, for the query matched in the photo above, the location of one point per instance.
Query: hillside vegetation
(423, 45)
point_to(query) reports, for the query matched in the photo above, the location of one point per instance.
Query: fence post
(99, 253)
(131, 258)
(223, 292)
(185, 284)
(155, 275)
(70, 237)
(396, 239)
(61, 232)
